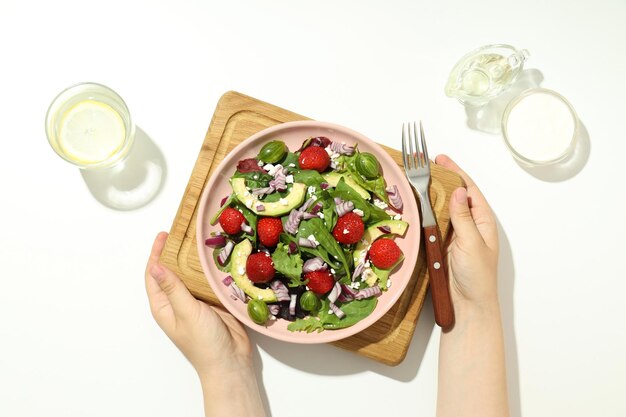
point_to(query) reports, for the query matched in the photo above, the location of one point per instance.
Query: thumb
(461, 216)
(180, 298)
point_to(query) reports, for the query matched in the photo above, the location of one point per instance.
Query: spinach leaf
(317, 228)
(307, 324)
(291, 158)
(223, 268)
(227, 203)
(254, 179)
(355, 310)
(308, 177)
(288, 265)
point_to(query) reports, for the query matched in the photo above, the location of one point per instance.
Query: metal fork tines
(417, 167)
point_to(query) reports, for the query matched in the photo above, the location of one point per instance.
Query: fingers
(166, 292)
(461, 217)
(179, 297)
(479, 209)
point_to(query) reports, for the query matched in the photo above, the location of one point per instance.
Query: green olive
(258, 311)
(273, 152)
(367, 165)
(309, 301)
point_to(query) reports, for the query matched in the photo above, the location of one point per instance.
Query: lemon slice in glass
(91, 132)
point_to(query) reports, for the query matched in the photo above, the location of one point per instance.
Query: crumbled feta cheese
(292, 165)
(289, 179)
(260, 163)
(311, 190)
(330, 311)
(256, 177)
(249, 203)
(358, 212)
(380, 204)
(345, 231)
(241, 270)
(397, 217)
(355, 285)
(272, 317)
(314, 197)
(332, 271)
(320, 215)
(312, 239)
(328, 150)
(367, 272)
(267, 167)
(366, 264)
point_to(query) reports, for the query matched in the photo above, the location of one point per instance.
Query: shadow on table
(329, 360)
(132, 183)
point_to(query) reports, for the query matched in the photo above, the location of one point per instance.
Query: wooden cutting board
(236, 118)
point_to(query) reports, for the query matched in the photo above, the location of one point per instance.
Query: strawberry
(384, 253)
(269, 230)
(320, 282)
(231, 220)
(349, 229)
(259, 267)
(315, 158)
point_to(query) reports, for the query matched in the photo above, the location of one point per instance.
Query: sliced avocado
(294, 199)
(332, 178)
(396, 227)
(240, 254)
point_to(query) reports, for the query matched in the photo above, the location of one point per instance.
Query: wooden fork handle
(439, 286)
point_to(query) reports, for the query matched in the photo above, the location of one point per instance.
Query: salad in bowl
(310, 234)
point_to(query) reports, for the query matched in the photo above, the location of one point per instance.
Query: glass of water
(89, 125)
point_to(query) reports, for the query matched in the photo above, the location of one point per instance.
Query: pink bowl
(293, 134)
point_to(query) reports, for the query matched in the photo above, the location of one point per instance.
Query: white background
(76, 335)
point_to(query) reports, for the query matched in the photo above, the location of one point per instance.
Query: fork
(418, 173)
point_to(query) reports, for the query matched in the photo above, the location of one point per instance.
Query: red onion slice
(337, 311)
(293, 248)
(358, 271)
(228, 280)
(341, 148)
(324, 185)
(394, 197)
(316, 208)
(237, 292)
(293, 221)
(274, 309)
(225, 252)
(223, 201)
(337, 200)
(215, 241)
(292, 304)
(307, 243)
(260, 207)
(348, 290)
(314, 264)
(247, 228)
(384, 229)
(282, 293)
(262, 191)
(368, 292)
(344, 207)
(334, 293)
(307, 216)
